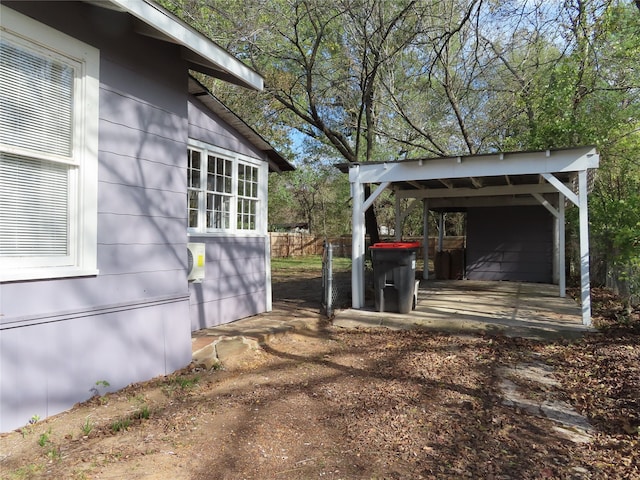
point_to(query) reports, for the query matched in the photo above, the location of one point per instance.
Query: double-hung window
(226, 191)
(48, 151)
(247, 197)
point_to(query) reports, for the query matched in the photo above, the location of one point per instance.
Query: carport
(547, 178)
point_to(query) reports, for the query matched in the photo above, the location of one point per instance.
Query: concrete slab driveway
(528, 310)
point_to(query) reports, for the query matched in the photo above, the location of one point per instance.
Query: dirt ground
(360, 404)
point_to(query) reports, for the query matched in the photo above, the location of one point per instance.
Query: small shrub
(54, 453)
(183, 382)
(87, 427)
(122, 424)
(43, 440)
(187, 382)
(143, 413)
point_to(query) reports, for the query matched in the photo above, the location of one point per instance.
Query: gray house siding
(235, 284)
(509, 243)
(207, 127)
(235, 281)
(49, 366)
(130, 322)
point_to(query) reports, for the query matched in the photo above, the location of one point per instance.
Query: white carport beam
(401, 215)
(497, 201)
(372, 198)
(562, 188)
(476, 182)
(479, 192)
(546, 204)
(412, 206)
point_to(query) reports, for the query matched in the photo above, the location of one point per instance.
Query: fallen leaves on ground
(357, 404)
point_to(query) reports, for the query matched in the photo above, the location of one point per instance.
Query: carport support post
(584, 248)
(357, 238)
(425, 238)
(398, 224)
(562, 275)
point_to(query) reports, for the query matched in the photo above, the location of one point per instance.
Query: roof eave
(202, 53)
(277, 163)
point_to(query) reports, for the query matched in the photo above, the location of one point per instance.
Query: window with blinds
(36, 101)
(48, 135)
(36, 120)
(34, 212)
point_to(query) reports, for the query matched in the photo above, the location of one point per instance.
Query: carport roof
(459, 181)
(545, 177)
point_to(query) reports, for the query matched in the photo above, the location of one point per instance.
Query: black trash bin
(394, 275)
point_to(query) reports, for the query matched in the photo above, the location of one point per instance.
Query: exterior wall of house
(235, 283)
(509, 243)
(129, 323)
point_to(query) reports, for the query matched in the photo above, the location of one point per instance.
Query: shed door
(510, 243)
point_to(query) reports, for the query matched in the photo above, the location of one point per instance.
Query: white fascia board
(188, 37)
(479, 192)
(520, 163)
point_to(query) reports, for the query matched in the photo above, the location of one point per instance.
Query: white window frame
(83, 161)
(205, 150)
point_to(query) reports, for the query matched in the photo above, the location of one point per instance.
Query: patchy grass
(310, 263)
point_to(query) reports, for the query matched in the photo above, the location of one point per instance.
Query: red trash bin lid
(396, 245)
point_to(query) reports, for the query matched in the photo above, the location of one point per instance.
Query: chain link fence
(336, 286)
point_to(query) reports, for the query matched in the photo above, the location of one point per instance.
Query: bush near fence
(284, 245)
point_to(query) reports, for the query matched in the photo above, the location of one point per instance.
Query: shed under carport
(502, 190)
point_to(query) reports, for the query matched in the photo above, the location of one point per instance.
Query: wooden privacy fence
(285, 245)
(295, 244)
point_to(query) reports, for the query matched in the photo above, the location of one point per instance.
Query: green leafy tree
(315, 195)
(365, 80)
